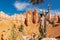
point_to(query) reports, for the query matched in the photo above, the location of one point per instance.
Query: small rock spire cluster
(29, 17)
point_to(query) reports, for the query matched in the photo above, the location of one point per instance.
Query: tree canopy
(36, 1)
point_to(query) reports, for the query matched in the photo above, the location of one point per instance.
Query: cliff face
(30, 21)
(58, 19)
(31, 17)
(35, 16)
(26, 19)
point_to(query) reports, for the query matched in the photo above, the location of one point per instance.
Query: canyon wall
(30, 21)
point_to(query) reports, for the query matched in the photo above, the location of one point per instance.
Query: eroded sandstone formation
(30, 20)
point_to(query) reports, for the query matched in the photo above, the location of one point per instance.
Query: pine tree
(13, 32)
(21, 28)
(36, 1)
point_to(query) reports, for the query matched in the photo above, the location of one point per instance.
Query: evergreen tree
(36, 1)
(13, 32)
(21, 28)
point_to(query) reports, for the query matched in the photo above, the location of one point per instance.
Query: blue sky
(20, 6)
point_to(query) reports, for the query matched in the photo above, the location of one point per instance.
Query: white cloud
(21, 6)
(24, 6)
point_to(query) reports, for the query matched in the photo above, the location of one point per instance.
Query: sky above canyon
(20, 6)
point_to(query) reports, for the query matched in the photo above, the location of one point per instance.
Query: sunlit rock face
(49, 39)
(28, 17)
(29, 20)
(59, 19)
(35, 16)
(31, 17)
(18, 18)
(49, 16)
(56, 17)
(4, 16)
(53, 18)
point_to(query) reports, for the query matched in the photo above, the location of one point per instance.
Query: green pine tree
(21, 28)
(13, 32)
